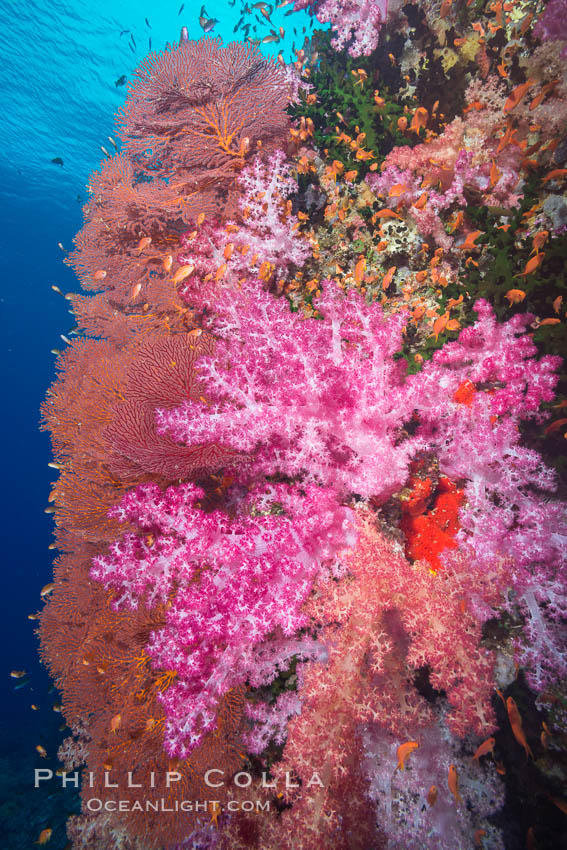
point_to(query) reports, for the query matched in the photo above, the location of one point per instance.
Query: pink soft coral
(383, 619)
(230, 580)
(323, 399)
(452, 169)
(326, 400)
(510, 526)
(265, 239)
(357, 23)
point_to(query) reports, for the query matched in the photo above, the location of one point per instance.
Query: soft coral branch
(229, 581)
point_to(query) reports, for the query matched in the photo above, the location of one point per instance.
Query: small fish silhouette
(121, 80)
(207, 24)
(57, 160)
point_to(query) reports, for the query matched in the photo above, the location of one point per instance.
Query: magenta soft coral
(479, 442)
(322, 399)
(230, 581)
(327, 400)
(511, 528)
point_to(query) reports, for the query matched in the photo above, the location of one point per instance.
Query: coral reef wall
(310, 589)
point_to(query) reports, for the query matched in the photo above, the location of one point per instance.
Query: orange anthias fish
(532, 264)
(387, 280)
(421, 201)
(116, 723)
(181, 273)
(453, 782)
(144, 242)
(539, 240)
(494, 174)
(265, 270)
(44, 836)
(515, 719)
(42, 751)
(515, 296)
(386, 214)
(404, 751)
(486, 747)
(530, 839)
(561, 804)
(526, 23)
(440, 324)
(555, 426)
(517, 95)
(459, 218)
(359, 270)
(419, 120)
(553, 175)
(470, 240)
(432, 795)
(364, 155)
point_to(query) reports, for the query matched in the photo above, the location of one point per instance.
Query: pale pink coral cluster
(356, 23)
(452, 169)
(265, 240)
(383, 621)
(400, 796)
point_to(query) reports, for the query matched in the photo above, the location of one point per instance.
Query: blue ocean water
(59, 65)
